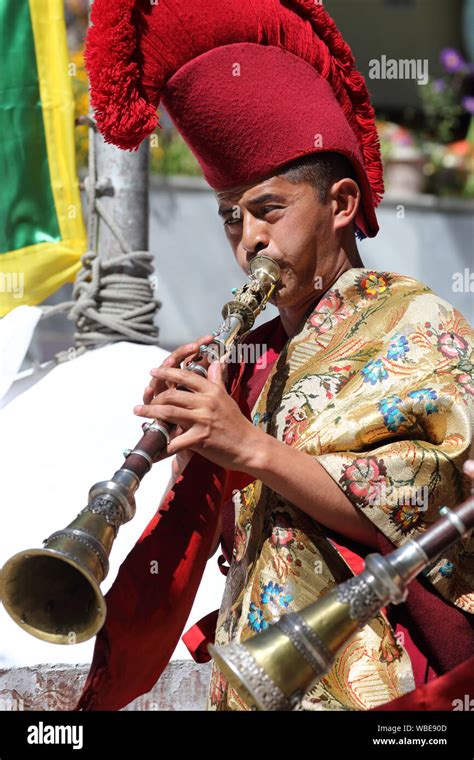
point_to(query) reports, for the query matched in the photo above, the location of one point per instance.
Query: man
(355, 431)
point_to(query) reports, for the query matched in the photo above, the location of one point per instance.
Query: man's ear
(344, 197)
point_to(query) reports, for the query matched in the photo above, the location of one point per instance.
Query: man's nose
(254, 237)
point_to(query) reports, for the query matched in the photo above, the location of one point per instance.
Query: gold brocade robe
(378, 386)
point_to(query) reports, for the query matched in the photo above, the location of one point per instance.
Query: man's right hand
(180, 357)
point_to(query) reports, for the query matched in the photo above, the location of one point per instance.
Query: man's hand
(210, 419)
(181, 355)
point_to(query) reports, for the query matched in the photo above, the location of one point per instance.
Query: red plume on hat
(251, 86)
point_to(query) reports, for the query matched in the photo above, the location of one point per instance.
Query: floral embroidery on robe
(377, 385)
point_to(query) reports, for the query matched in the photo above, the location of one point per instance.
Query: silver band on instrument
(363, 601)
(258, 682)
(85, 538)
(156, 427)
(306, 641)
(198, 369)
(141, 453)
(454, 520)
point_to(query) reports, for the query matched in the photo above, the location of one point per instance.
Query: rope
(109, 305)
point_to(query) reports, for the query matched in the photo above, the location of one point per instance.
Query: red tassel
(127, 74)
(122, 114)
(350, 89)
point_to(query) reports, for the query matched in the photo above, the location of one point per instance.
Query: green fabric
(27, 212)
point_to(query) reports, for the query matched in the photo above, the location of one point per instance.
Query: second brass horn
(54, 592)
(274, 669)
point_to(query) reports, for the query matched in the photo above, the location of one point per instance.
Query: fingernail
(468, 467)
(137, 409)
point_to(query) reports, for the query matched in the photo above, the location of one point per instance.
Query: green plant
(171, 155)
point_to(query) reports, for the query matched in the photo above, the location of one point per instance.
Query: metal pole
(126, 199)
(115, 300)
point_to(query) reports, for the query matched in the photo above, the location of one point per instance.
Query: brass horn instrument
(54, 592)
(273, 670)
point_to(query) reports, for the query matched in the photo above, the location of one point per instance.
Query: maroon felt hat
(250, 86)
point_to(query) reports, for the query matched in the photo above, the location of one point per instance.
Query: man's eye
(263, 211)
(268, 209)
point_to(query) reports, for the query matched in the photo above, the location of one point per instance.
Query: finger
(175, 431)
(166, 412)
(187, 350)
(175, 359)
(216, 373)
(148, 394)
(184, 377)
(468, 467)
(183, 399)
(184, 441)
(204, 340)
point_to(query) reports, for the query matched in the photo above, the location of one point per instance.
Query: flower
(274, 595)
(398, 347)
(439, 85)
(240, 543)
(451, 345)
(295, 423)
(405, 517)
(282, 532)
(392, 416)
(452, 60)
(465, 381)
(256, 619)
(265, 417)
(425, 394)
(468, 104)
(372, 284)
(374, 372)
(217, 687)
(329, 312)
(447, 569)
(364, 479)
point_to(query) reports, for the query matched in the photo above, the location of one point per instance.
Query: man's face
(287, 222)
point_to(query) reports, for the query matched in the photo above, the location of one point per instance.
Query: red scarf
(453, 691)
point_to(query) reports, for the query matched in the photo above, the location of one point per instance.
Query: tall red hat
(250, 86)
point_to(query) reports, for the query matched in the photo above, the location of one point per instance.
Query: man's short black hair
(321, 170)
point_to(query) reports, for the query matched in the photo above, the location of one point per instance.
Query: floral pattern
(394, 408)
(363, 479)
(378, 387)
(372, 284)
(374, 372)
(451, 345)
(295, 422)
(406, 517)
(393, 417)
(398, 347)
(331, 312)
